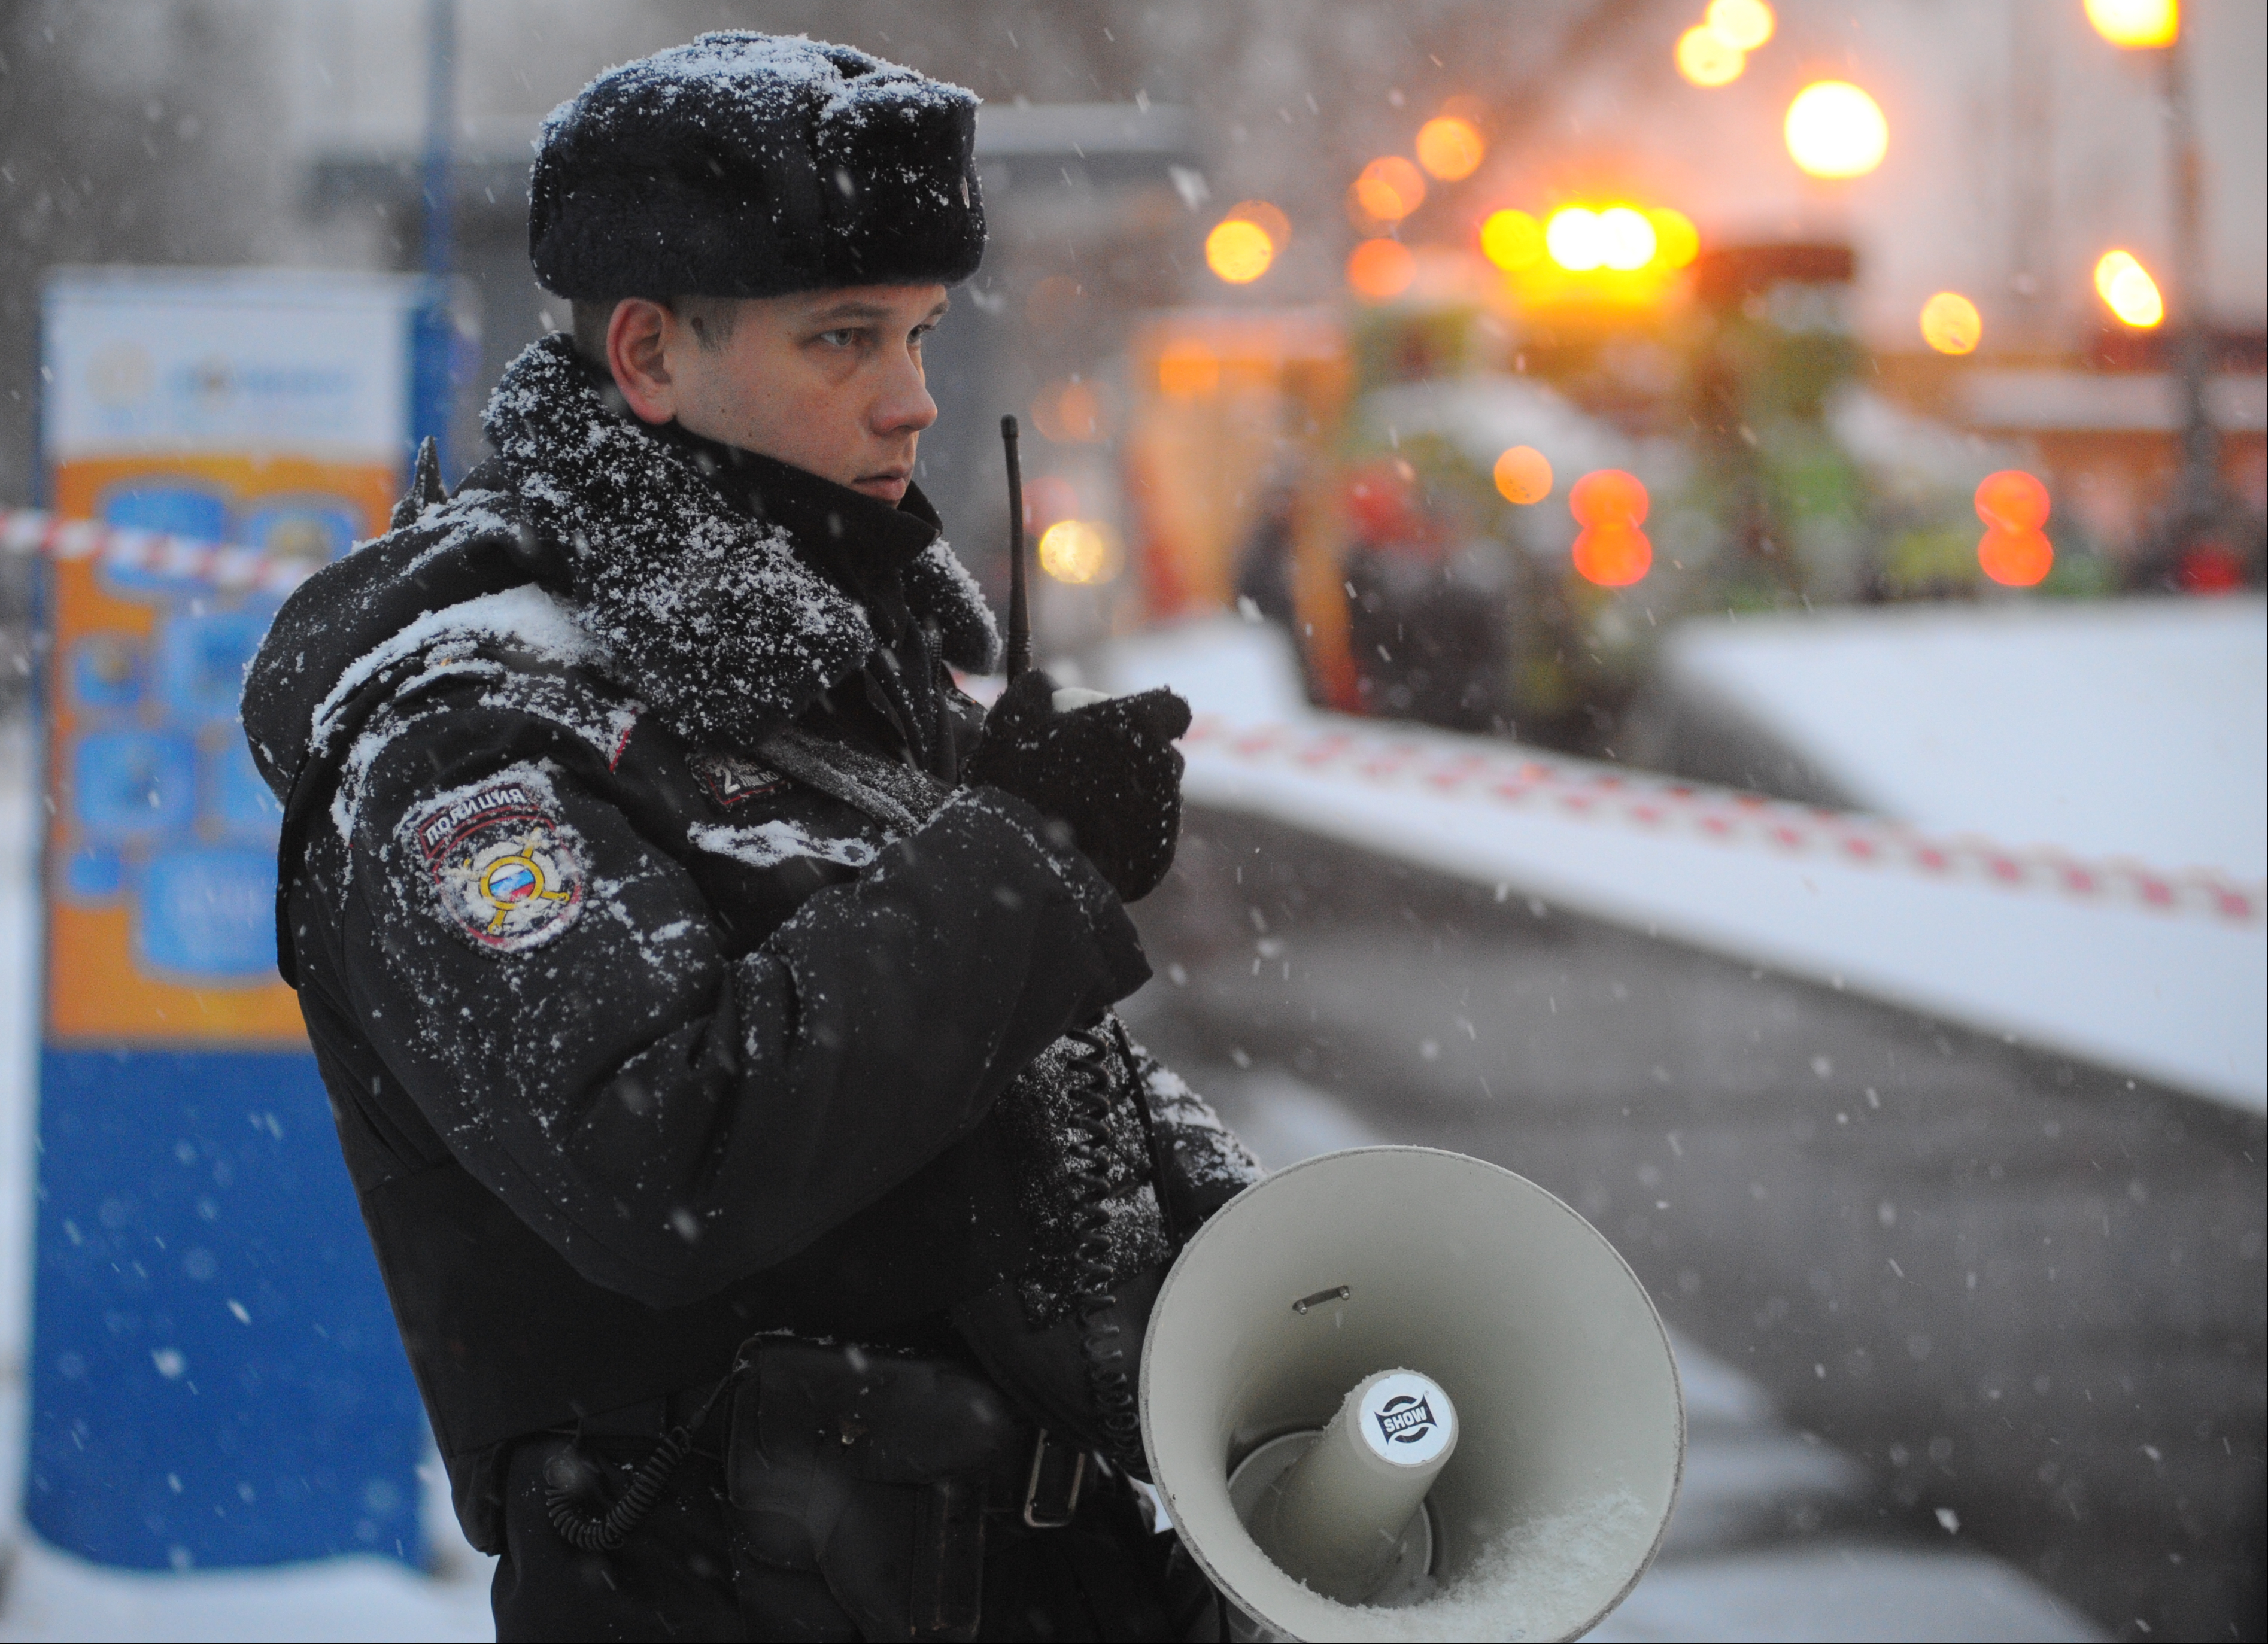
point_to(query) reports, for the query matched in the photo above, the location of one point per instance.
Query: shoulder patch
(504, 864)
(730, 780)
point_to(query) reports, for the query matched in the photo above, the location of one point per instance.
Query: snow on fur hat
(749, 164)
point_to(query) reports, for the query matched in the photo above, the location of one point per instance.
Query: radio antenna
(1020, 610)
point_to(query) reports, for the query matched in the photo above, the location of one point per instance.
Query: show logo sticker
(1407, 1419)
(505, 869)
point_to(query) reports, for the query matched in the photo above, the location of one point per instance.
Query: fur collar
(710, 615)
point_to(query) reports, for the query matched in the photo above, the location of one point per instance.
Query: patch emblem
(730, 781)
(502, 865)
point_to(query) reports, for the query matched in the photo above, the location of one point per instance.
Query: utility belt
(880, 1473)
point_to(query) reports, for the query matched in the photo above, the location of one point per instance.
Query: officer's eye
(846, 338)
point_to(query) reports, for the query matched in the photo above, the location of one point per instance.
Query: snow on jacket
(666, 987)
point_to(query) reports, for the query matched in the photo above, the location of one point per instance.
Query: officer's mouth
(888, 485)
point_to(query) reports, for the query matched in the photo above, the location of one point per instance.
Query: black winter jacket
(666, 987)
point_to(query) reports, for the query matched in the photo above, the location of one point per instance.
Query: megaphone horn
(1400, 1393)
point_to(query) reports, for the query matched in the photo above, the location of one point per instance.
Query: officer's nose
(903, 406)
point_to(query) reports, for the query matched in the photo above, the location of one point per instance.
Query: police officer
(715, 1002)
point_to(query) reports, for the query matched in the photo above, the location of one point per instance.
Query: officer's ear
(641, 336)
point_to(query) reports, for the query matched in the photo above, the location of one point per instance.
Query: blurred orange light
(1380, 269)
(1950, 323)
(1613, 556)
(1239, 251)
(1389, 188)
(1573, 238)
(1676, 241)
(1626, 239)
(1523, 474)
(1608, 497)
(1450, 148)
(1187, 368)
(2012, 500)
(1073, 413)
(2015, 559)
(1512, 239)
(1744, 25)
(1268, 217)
(1707, 58)
(1835, 129)
(2127, 286)
(2132, 23)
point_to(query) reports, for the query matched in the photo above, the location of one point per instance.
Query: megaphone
(1400, 1393)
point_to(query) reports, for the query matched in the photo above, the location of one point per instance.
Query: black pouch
(876, 1472)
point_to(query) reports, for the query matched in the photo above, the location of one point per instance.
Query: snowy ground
(2150, 966)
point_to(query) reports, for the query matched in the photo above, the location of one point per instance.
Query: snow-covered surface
(2172, 994)
(1746, 1473)
(2129, 729)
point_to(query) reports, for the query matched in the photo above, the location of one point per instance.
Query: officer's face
(830, 381)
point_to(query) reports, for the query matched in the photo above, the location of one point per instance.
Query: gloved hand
(1107, 769)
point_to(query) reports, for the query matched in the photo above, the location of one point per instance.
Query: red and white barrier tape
(225, 567)
(1720, 816)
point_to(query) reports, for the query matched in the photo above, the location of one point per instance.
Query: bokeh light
(1744, 25)
(1080, 551)
(1380, 269)
(1389, 188)
(1835, 129)
(1187, 369)
(2127, 286)
(1511, 240)
(1573, 238)
(1707, 58)
(1677, 242)
(1450, 148)
(1613, 556)
(2012, 500)
(1239, 251)
(1950, 323)
(2015, 559)
(1269, 216)
(1608, 497)
(1626, 237)
(1073, 412)
(1523, 474)
(2136, 23)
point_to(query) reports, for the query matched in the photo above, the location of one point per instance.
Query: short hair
(711, 318)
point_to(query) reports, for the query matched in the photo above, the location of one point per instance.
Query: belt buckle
(1037, 1506)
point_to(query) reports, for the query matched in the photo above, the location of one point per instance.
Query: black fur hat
(748, 165)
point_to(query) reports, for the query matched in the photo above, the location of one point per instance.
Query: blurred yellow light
(1626, 240)
(2132, 23)
(1676, 241)
(1380, 269)
(1389, 188)
(1239, 251)
(1078, 551)
(1707, 58)
(2127, 286)
(1950, 323)
(1523, 474)
(1450, 148)
(1512, 239)
(1835, 129)
(1743, 24)
(1573, 238)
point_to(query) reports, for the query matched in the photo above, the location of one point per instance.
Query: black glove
(1110, 770)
